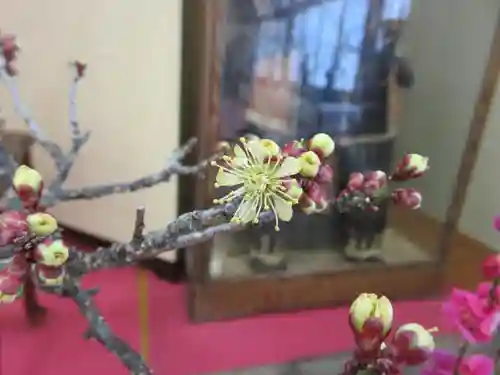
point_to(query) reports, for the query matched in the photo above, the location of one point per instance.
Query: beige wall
(130, 98)
(448, 43)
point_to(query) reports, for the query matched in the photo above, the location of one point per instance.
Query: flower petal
(225, 178)
(283, 209)
(247, 211)
(257, 150)
(238, 152)
(289, 167)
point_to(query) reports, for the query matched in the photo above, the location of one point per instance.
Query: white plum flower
(258, 172)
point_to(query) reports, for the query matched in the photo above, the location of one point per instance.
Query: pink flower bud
(309, 164)
(407, 197)
(294, 149)
(413, 344)
(325, 174)
(374, 182)
(322, 144)
(410, 167)
(491, 267)
(28, 185)
(356, 181)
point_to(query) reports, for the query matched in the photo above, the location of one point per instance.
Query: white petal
(283, 209)
(247, 211)
(289, 167)
(257, 150)
(225, 178)
(239, 161)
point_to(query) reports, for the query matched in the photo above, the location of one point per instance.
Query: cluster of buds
(9, 50)
(371, 320)
(315, 175)
(368, 190)
(29, 232)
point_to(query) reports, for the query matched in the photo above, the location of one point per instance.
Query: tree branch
(185, 231)
(50, 147)
(100, 330)
(173, 166)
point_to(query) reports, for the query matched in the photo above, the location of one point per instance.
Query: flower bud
(307, 205)
(374, 182)
(491, 267)
(356, 181)
(12, 225)
(410, 167)
(407, 197)
(293, 188)
(413, 344)
(11, 288)
(370, 308)
(309, 164)
(325, 174)
(53, 253)
(271, 148)
(322, 144)
(42, 224)
(50, 276)
(294, 149)
(28, 185)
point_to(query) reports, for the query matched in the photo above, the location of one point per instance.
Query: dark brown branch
(100, 330)
(139, 225)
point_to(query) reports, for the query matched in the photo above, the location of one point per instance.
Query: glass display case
(286, 70)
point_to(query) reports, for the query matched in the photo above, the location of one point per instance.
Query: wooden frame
(226, 299)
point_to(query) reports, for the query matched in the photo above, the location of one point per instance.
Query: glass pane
(295, 68)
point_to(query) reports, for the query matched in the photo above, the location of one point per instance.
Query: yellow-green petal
(289, 167)
(238, 152)
(257, 150)
(247, 211)
(283, 209)
(225, 178)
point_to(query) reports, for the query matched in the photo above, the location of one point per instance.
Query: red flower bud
(325, 174)
(80, 69)
(294, 149)
(408, 197)
(322, 144)
(356, 181)
(9, 50)
(491, 267)
(50, 276)
(374, 182)
(307, 205)
(412, 344)
(410, 167)
(370, 318)
(13, 225)
(28, 185)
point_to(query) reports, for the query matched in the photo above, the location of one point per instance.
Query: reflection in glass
(295, 68)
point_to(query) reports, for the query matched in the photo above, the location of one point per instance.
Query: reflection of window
(325, 36)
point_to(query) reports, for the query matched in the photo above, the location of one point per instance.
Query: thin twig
(100, 330)
(173, 167)
(139, 225)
